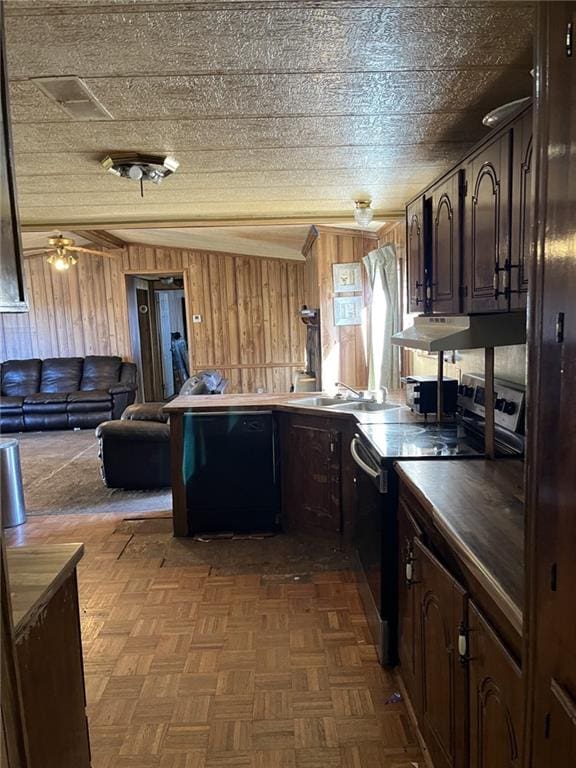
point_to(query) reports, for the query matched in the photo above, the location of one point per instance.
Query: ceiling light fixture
(141, 168)
(503, 112)
(363, 212)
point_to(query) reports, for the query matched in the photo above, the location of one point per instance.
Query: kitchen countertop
(285, 402)
(478, 507)
(35, 575)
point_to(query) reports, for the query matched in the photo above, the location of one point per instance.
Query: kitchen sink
(317, 402)
(341, 404)
(362, 405)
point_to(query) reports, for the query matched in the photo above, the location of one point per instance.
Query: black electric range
(387, 442)
(375, 448)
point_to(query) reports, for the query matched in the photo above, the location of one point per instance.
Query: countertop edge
(69, 562)
(472, 561)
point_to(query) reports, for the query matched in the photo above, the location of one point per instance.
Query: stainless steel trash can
(11, 493)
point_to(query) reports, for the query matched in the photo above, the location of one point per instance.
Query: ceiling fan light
(363, 212)
(171, 164)
(61, 263)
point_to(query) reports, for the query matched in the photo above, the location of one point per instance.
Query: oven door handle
(362, 464)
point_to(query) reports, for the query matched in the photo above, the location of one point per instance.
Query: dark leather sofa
(64, 392)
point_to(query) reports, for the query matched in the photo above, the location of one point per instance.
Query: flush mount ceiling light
(141, 168)
(363, 212)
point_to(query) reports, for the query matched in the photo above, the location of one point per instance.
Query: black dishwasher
(230, 471)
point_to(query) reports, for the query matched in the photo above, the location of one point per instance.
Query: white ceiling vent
(73, 96)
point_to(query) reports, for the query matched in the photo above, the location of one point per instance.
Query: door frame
(133, 328)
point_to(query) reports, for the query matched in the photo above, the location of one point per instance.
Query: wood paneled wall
(344, 355)
(250, 330)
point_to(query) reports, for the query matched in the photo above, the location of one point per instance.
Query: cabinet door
(312, 478)
(408, 579)
(522, 211)
(496, 698)
(415, 256)
(487, 214)
(445, 244)
(442, 606)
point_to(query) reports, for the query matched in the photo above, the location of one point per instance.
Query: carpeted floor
(61, 476)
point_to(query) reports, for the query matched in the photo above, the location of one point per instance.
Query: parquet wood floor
(185, 669)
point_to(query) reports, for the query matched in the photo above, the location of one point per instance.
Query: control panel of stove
(508, 400)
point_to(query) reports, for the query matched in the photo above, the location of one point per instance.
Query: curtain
(383, 318)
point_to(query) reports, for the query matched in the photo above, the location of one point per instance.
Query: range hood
(436, 333)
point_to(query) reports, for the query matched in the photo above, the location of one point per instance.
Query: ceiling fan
(62, 252)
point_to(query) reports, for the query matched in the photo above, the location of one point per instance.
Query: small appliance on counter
(422, 394)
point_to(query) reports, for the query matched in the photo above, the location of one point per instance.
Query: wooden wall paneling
(248, 307)
(233, 352)
(208, 319)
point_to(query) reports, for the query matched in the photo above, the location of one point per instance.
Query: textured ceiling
(274, 109)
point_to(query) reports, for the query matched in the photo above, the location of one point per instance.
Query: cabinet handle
(409, 573)
(462, 644)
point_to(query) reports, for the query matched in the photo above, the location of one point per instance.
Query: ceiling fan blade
(90, 250)
(29, 253)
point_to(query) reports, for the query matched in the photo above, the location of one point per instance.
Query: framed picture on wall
(12, 296)
(347, 277)
(347, 310)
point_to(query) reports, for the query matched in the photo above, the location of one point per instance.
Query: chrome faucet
(356, 392)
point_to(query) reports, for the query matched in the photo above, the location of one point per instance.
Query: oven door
(375, 544)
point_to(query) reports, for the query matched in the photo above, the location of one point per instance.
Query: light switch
(196, 318)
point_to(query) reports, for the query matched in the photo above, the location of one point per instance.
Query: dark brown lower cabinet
(496, 698)
(49, 653)
(408, 579)
(441, 618)
(311, 473)
(465, 688)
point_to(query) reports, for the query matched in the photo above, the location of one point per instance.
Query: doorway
(158, 327)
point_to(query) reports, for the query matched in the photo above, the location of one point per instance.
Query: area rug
(61, 476)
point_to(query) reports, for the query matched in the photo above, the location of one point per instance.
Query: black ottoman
(134, 455)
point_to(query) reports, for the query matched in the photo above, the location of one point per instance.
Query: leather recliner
(64, 392)
(135, 451)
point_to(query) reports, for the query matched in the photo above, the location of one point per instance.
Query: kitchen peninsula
(333, 422)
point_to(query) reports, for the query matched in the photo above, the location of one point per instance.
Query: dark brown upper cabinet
(468, 235)
(522, 211)
(445, 226)
(487, 227)
(416, 267)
